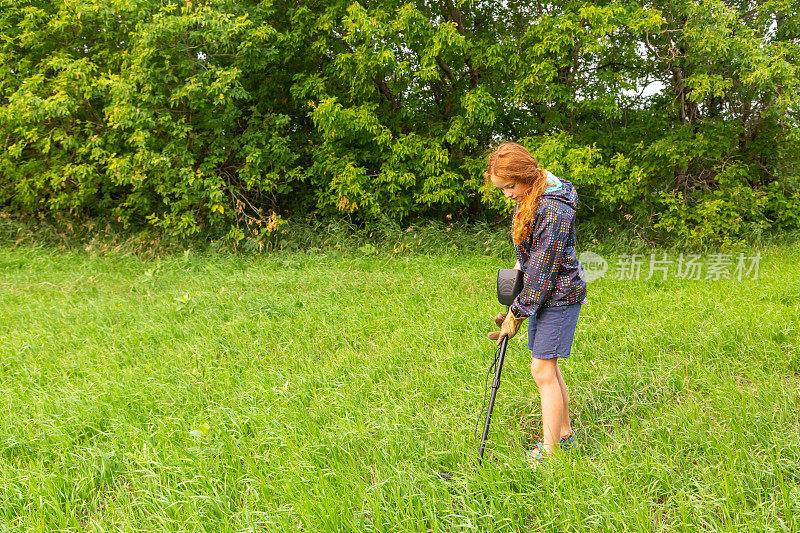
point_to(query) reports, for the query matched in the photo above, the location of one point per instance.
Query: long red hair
(511, 161)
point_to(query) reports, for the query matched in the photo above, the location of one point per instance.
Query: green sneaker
(536, 456)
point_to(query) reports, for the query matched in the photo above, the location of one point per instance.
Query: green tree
(679, 117)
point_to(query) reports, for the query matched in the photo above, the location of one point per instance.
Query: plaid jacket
(553, 275)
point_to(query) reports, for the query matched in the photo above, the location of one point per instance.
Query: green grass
(326, 391)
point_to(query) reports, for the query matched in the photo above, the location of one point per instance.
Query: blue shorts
(551, 331)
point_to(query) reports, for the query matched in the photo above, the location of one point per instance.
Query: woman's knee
(544, 371)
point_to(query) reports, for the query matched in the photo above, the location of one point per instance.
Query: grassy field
(327, 391)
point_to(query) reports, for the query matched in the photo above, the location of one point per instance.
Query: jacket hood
(560, 189)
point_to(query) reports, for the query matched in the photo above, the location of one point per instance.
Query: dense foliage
(681, 117)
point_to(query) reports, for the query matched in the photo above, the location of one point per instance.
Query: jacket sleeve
(550, 236)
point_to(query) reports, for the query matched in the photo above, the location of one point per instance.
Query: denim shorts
(551, 331)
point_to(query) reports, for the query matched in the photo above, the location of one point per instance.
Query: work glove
(509, 325)
(499, 319)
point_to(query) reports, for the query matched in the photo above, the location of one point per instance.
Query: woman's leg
(544, 373)
(566, 426)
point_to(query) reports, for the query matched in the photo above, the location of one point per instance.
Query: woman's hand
(509, 325)
(499, 319)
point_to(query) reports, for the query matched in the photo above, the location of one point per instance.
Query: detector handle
(509, 285)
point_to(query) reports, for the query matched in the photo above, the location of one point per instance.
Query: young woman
(543, 231)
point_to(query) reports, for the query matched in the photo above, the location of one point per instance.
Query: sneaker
(536, 456)
(568, 443)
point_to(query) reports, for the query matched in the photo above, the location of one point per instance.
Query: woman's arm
(550, 235)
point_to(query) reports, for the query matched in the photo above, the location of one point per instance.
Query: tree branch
(447, 70)
(380, 81)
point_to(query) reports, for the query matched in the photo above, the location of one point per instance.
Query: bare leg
(566, 426)
(544, 373)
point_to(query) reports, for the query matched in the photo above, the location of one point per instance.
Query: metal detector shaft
(509, 284)
(495, 386)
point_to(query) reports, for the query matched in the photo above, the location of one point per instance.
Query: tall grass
(426, 237)
(328, 390)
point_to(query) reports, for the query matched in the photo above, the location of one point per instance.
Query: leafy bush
(678, 118)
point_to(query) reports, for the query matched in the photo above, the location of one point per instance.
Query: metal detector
(509, 285)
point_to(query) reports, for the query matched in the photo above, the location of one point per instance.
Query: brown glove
(509, 325)
(499, 319)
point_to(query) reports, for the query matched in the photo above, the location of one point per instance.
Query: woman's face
(515, 190)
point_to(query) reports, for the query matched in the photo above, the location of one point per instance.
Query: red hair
(511, 161)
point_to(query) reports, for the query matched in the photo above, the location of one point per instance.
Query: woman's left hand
(498, 320)
(508, 327)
